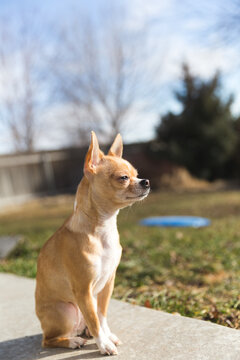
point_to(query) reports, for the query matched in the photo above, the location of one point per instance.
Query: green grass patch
(193, 272)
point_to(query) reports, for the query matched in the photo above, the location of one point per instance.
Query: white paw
(107, 348)
(105, 345)
(114, 339)
(107, 331)
(77, 342)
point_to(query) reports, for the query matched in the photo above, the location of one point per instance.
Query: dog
(77, 265)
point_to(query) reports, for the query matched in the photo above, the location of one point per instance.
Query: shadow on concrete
(29, 348)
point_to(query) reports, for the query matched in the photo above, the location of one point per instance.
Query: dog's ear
(93, 156)
(117, 147)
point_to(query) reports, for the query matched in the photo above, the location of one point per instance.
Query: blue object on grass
(176, 221)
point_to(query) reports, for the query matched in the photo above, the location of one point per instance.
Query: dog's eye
(125, 177)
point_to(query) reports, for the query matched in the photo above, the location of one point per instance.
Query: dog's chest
(108, 259)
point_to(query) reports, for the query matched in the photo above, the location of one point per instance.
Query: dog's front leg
(87, 306)
(103, 302)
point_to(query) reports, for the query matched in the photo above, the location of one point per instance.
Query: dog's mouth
(138, 196)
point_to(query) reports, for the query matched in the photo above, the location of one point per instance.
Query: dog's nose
(145, 183)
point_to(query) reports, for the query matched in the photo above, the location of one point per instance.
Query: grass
(193, 272)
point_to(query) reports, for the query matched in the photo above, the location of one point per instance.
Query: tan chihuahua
(77, 265)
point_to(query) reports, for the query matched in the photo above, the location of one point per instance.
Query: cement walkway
(146, 334)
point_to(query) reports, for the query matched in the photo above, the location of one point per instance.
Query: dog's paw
(77, 342)
(115, 339)
(106, 346)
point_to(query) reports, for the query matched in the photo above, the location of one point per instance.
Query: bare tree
(220, 21)
(103, 74)
(228, 21)
(21, 91)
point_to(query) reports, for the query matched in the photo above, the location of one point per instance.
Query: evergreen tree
(201, 137)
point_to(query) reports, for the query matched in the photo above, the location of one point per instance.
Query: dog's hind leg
(60, 322)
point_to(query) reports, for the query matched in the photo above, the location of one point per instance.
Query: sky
(178, 32)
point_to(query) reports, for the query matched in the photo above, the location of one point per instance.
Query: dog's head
(111, 177)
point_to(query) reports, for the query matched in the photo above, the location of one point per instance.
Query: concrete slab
(146, 333)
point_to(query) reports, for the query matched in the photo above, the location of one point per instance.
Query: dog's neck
(88, 213)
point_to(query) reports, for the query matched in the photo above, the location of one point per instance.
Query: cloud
(141, 12)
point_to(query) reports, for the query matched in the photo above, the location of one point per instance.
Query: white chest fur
(109, 255)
